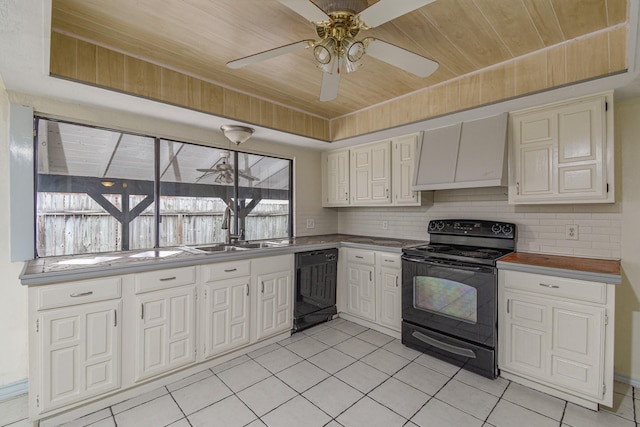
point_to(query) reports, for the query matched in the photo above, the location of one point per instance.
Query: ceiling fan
(225, 171)
(337, 23)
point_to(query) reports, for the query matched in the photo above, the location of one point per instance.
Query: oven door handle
(446, 264)
(465, 352)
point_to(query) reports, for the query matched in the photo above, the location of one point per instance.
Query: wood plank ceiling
(198, 37)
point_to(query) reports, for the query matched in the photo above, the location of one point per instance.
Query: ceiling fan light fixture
(236, 134)
(354, 50)
(324, 51)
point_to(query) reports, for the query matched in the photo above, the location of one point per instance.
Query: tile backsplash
(541, 228)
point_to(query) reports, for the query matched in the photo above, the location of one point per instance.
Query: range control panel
(477, 228)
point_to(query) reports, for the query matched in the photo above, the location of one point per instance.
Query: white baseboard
(14, 389)
(627, 380)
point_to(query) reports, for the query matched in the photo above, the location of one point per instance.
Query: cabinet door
(403, 165)
(81, 352)
(581, 166)
(165, 332)
(361, 296)
(370, 174)
(524, 347)
(274, 303)
(390, 305)
(337, 179)
(226, 315)
(561, 153)
(535, 137)
(577, 347)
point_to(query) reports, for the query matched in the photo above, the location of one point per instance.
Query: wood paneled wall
(85, 62)
(578, 60)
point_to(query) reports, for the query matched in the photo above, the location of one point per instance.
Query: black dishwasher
(316, 273)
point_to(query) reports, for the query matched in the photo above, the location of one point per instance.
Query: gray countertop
(77, 267)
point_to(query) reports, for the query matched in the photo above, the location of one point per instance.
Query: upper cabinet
(374, 174)
(335, 188)
(563, 153)
(370, 172)
(403, 159)
(464, 155)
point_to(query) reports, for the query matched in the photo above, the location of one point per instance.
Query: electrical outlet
(571, 232)
(385, 225)
(311, 223)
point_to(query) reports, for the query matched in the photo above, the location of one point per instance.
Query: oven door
(452, 298)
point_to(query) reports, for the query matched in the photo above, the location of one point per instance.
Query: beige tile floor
(342, 374)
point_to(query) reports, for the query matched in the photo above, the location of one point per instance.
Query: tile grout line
(178, 405)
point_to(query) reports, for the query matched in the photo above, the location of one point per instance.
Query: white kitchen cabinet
(402, 169)
(373, 288)
(226, 307)
(370, 174)
(389, 289)
(361, 290)
(75, 350)
(165, 315)
(557, 333)
(274, 291)
(335, 167)
(563, 153)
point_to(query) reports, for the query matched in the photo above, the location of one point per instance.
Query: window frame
(156, 178)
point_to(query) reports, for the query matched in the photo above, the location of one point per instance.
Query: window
(96, 192)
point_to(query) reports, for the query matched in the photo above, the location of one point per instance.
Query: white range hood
(464, 155)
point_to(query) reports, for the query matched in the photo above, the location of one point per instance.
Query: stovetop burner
(470, 241)
(445, 251)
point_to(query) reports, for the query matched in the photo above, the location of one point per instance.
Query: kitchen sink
(257, 245)
(220, 248)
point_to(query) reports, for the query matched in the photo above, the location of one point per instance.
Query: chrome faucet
(227, 224)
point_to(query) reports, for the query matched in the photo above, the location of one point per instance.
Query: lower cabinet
(373, 287)
(81, 349)
(389, 290)
(226, 315)
(225, 309)
(558, 333)
(274, 290)
(361, 290)
(75, 342)
(93, 338)
(165, 331)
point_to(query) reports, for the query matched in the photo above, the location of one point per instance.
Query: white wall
(627, 349)
(540, 228)
(13, 296)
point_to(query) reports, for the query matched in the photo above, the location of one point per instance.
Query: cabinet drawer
(580, 290)
(361, 256)
(388, 260)
(226, 270)
(164, 279)
(81, 292)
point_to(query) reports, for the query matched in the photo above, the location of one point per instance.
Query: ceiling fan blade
(306, 9)
(387, 10)
(330, 85)
(247, 176)
(401, 58)
(268, 54)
